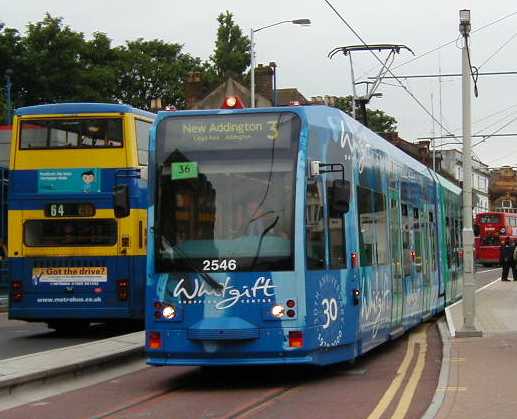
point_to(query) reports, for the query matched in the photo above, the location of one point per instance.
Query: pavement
(479, 374)
(40, 367)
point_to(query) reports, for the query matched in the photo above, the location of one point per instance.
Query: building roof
(290, 95)
(230, 87)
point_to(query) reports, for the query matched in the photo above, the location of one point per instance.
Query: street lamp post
(469, 279)
(303, 22)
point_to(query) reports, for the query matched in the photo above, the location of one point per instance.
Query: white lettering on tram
(230, 295)
(344, 139)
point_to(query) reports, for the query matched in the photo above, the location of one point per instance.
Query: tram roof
(316, 113)
(78, 108)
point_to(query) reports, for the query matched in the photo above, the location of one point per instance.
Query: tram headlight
(169, 312)
(278, 311)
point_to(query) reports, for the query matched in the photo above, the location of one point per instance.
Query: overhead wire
(495, 132)
(387, 69)
(496, 122)
(454, 40)
(498, 50)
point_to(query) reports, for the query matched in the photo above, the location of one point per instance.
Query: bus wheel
(68, 327)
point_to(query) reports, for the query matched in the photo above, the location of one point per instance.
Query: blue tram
(290, 236)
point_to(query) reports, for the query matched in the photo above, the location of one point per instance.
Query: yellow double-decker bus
(77, 213)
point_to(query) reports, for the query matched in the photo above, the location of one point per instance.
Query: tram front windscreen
(225, 187)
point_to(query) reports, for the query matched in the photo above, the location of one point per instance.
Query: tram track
(238, 412)
(256, 406)
(152, 396)
(243, 411)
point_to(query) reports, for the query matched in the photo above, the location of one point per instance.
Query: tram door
(396, 260)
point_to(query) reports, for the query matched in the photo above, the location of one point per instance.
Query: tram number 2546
(219, 265)
(329, 310)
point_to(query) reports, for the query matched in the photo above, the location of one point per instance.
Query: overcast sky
(301, 52)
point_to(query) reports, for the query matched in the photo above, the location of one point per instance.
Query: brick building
(503, 189)
(198, 99)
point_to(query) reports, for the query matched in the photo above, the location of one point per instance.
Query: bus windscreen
(225, 187)
(71, 133)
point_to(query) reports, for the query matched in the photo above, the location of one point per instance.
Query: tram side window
(381, 237)
(418, 240)
(336, 228)
(315, 232)
(366, 225)
(448, 241)
(406, 241)
(432, 236)
(142, 129)
(458, 240)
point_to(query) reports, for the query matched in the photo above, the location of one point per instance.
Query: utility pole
(252, 86)
(469, 278)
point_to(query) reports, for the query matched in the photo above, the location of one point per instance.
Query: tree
(232, 49)
(51, 64)
(152, 69)
(378, 121)
(98, 78)
(11, 51)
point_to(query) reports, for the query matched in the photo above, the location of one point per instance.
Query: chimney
(264, 82)
(193, 88)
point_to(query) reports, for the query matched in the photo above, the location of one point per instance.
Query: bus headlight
(278, 311)
(169, 312)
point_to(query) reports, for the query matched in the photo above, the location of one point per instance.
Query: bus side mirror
(340, 197)
(121, 201)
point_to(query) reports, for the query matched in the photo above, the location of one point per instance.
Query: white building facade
(452, 164)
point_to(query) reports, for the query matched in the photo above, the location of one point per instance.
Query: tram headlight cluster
(169, 312)
(164, 311)
(279, 311)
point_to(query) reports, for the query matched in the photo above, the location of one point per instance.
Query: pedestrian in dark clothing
(507, 250)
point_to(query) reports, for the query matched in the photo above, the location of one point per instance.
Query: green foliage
(152, 69)
(378, 121)
(11, 51)
(232, 49)
(51, 63)
(98, 78)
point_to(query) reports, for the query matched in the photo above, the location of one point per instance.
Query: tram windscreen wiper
(259, 247)
(170, 250)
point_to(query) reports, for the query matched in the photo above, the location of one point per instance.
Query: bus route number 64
(56, 210)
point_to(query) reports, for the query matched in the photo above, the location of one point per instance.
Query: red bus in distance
(491, 229)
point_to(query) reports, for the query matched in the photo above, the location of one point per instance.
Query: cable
(498, 50)
(495, 132)
(387, 69)
(474, 71)
(500, 120)
(455, 40)
(494, 114)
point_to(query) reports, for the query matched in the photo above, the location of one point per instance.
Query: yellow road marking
(389, 395)
(414, 379)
